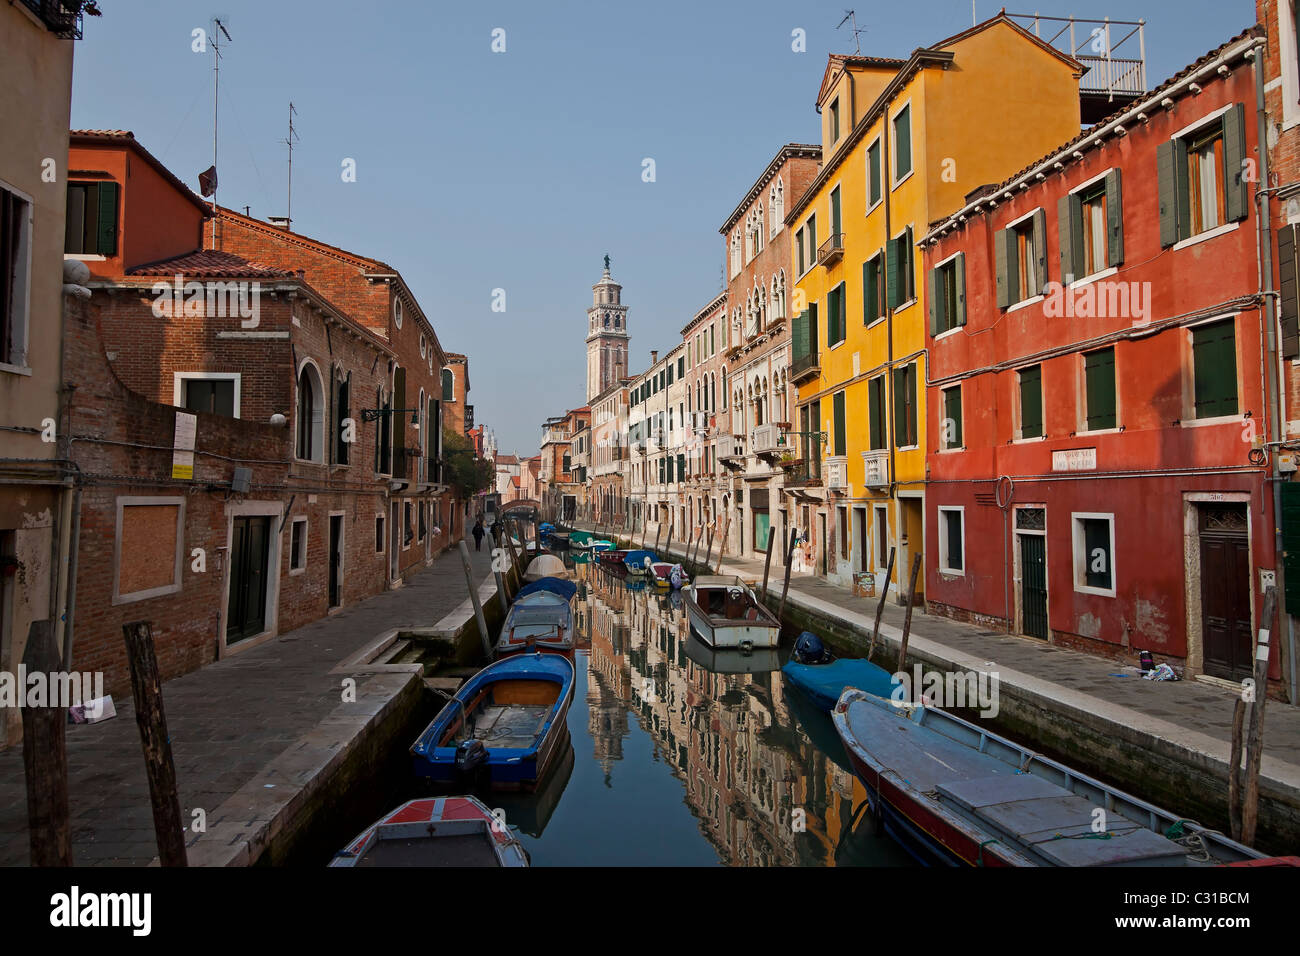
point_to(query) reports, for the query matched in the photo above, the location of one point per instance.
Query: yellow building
(904, 142)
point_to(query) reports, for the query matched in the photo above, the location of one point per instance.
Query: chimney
(280, 222)
(654, 356)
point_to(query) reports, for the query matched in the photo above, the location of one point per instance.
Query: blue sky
(519, 170)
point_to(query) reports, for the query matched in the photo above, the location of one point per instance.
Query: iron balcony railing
(831, 251)
(61, 17)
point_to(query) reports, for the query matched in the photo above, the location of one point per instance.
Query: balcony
(802, 474)
(731, 454)
(769, 441)
(831, 251)
(805, 367)
(62, 17)
(875, 468)
(805, 360)
(837, 472)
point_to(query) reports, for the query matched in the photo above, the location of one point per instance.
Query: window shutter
(1031, 402)
(1168, 189)
(959, 268)
(900, 407)
(1114, 219)
(106, 234)
(1015, 282)
(837, 409)
(1237, 201)
(875, 424)
(892, 276)
(1066, 224)
(1000, 265)
(868, 292)
(1286, 264)
(1040, 247)
(399, 420)
(935, 293)
(1099, 370)
(1214, 361)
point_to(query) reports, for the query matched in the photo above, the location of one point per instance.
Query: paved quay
(227, 721)
(1169, 723)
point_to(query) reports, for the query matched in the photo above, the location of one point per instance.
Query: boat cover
(565, 589)
(824, 683)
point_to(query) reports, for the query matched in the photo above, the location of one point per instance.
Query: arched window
(448, 385)
(778, 207)
(311, 414)
(397, 311)
(781, 312)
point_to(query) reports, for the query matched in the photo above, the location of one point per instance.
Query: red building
(1097, 479)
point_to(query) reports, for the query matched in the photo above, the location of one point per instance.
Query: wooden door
(1225, 592)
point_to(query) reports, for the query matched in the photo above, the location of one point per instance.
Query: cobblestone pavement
(226, 722)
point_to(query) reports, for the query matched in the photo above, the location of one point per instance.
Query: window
(838, 436)
(902, 143)
(874, 190)
(343, 434)
(423, 509)
(1020, 252)
(681, 367)
(899, 277)
(91, 224)
(298, 545)
(843, 514)
(873, 287)
(311, 415)
(397, 312)
(836, 225)
(423, 346)
(836, 323)
(948, 295)
(905, 434)
(1094, 547)
(1099, 388)
(448, 385)
(835, 121)
(215, 393)
(408, 532)
(149, 547)
(951, 437)
(1031, 402)
(876, 412)
(15, 275)
(1200, 177)
(952, 554)
(1091, 228)
(379, 534)
(1214, 363)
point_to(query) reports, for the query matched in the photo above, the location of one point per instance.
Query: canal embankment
(1167, 742)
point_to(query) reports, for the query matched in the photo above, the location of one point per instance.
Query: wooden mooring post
(789, 560)
(146, 688)
(473, 596)
(767, 561)
(1234, 768)
(722, 543)
(708, 555)
(45, 759)
(880, 605)
(1255, 736)
(659, 527)
(907, 618)
(668, 547)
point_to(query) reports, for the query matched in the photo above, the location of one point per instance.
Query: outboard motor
(470, 755)
(809, 649)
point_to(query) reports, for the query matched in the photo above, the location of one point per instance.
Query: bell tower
(607, 336)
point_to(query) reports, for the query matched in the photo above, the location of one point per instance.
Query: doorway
(864, 544)
(1031, 543)
(394, 541)
(246, 612)
(912, 545)
(1225, 591)
(336, 561)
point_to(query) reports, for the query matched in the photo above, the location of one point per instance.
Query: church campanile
(606, 335)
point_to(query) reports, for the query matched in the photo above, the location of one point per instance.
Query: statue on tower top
(607, 262)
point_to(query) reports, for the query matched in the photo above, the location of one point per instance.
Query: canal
(680, 755)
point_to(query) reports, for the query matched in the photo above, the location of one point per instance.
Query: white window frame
(148, 501)
(180, 378)
(294, 566)
(894, 180)
(22, 292)
(1080, 559)
(383, 533)
(944, 566)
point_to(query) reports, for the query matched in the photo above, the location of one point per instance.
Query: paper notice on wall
(183, 446)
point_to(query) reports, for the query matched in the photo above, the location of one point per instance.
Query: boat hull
(433, 831)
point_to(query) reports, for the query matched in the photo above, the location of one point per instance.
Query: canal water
(681, 755)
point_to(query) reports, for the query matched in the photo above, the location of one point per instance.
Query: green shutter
(900, 407)
(911, 405)
(106, 221)
(876, 412)
(873, 159)
(1167, 185)
(891, 274)
(903, 143)
(1289, 295)
(399, 420)
(934, 292)
(1067, 218)
(1114, 219)
(1040, 247)
(1237, 201)
(1290, 520)
(1214, 360)
(907, 265)
(837, 410)
(959, 274)
(1031, 402)
(1000, 264)
(1015, 282)
(868, 292)
(1099, 380)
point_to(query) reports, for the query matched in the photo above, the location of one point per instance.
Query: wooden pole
(789, 560)
(767, 561)
(699, 539)
(722, 544)
(146, 686)
(1255, 737)
(514, 558)
(1234, 769)
(659, 527)
(501, 592)
(880, 605)
(45, 758)
(708, 555)
(907, 618)
(668, 546)
(473, 595)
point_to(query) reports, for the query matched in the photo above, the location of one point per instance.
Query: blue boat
(639, 562)
(823, 678)
(504, 727)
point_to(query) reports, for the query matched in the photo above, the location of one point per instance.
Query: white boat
(724, 612)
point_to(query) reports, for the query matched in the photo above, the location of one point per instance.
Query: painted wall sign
(1074, 459)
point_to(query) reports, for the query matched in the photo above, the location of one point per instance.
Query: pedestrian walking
(478, 535)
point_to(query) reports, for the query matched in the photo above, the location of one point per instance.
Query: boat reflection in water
(688, 755)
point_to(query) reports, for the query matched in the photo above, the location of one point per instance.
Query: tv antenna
(850, 15)
(288, 141)
(219, 32)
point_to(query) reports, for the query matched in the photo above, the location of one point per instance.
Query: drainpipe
(1263, 211)
(889, 338)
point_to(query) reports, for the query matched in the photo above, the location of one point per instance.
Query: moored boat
(724, 612)
(541, 617)
(639, 561)
(545, 566)
(823, 677)
(955, 794)
(436, 831)
(505, 724)
(670, 575)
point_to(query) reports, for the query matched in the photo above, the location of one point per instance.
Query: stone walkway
(226, 722)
